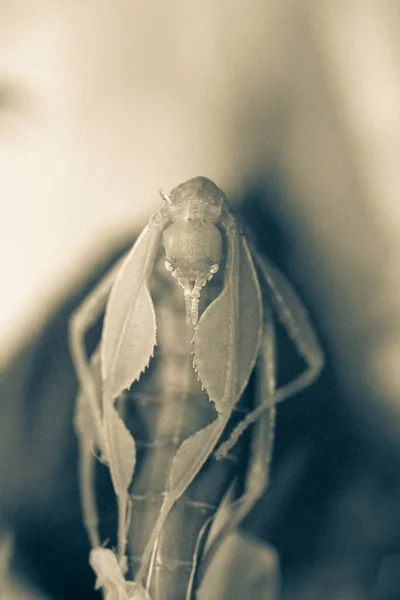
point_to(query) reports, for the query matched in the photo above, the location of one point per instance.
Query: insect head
(192, 241)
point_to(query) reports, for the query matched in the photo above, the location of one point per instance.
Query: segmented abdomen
(164, 408)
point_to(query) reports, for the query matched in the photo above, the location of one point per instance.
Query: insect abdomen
(162, 410)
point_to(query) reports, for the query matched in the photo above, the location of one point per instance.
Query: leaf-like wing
(129, 337)
(129, 332)
(121, 450)
(227, 338)
(193, 453)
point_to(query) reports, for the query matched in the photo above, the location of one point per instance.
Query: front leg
(84, 427)
(294, 318)
(81, 320)
(88, 413)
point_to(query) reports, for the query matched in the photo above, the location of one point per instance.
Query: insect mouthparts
(192, 297)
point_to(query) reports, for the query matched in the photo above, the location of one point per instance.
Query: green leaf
(228, 336)
(129, 331)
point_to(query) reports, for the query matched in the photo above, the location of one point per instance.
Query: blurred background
(293, 108)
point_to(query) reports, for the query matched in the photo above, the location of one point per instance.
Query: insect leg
(263, 437)
(88, 414)
(87, 486)
(81, 320)
(294, 318)
(84, 427)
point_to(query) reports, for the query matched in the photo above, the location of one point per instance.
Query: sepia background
(294, 102)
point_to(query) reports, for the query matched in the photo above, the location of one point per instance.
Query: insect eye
(214, 268)
(169, 266)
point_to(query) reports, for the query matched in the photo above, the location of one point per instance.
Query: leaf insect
(232, 333)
